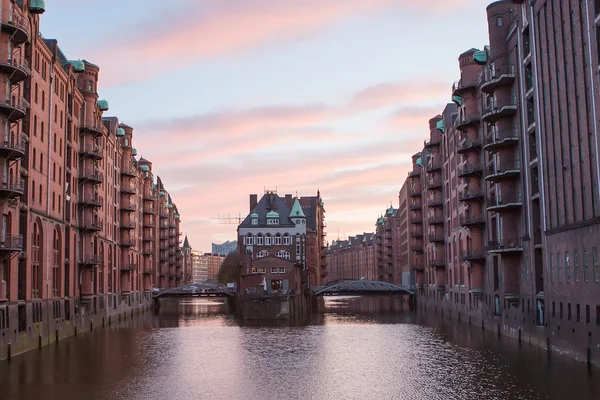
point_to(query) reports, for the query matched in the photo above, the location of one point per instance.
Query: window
(499, 21)
(267, 239)
(278, 239)
(586, 267)
(254, 221)
(262, 270)
(249, 240)
(578, 312)
(558, 268)
(283, 254)
(551, 268)
(33, 191)
(259, 239)
(282, 270)
(262, 253)
(254, 270)
(274, 270)
(41, 162)
(90, 86)
(272, 221)
(567, 267)
(33, 159)
(286, 240)
(43, 100)
(40, 195)
(54, 142)
(42, 131)
(575, 266)
(596, 272)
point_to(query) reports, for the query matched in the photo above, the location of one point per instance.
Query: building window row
(572, 273)
(267, 239)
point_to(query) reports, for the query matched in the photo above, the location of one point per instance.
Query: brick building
(352, 259)
(79, 209)
(199, 266)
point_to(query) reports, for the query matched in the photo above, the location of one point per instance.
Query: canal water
(360, 348)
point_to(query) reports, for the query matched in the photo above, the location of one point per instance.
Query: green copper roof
(144, 168)
(420, 161)
(37, 6)
(161, 193)
(390, 211)
(120, 132)
(103, 105)
(364, 239)
(134, 152)
(480, 57)
(254, 215)
(176, 216)
(297, 210)
(170, 205)
(457, 100)
(441, 126)
(272, 214)
(78, 65)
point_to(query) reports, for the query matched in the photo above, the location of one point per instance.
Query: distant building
(224, 249)
(199, 267)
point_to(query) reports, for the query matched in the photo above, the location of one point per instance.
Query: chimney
(288, 199)
(253, 201)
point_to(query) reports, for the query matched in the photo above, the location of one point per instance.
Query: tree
(230, 267)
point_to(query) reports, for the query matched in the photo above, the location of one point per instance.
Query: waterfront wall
(44, 329)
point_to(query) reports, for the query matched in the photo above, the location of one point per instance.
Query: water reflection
(358, 348)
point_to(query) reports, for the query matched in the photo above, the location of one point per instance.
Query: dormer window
(254, 218)
(254, 221)
(273, 221)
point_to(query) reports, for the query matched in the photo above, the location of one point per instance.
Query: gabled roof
(186, 243)
(270, 202)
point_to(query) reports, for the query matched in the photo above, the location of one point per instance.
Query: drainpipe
(589, 41)
(49, 158)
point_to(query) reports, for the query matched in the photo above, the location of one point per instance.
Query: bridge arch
(361, 287)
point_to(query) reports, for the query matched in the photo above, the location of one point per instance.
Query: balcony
(129, 225)
(499, 109)
(469, 195)
(148, 208)
(90, 225)
(433, 141)
(149, 238)
(130, 172)
(13, 107)
(416, 206)
(149, 196)
(14, 188)
(466, 121)
(436, 220)
(91, 175)
(128, 267)
(497, 77)
(179, 255)
(435, 202)
(90, 261)
(128, 189)
(506, 169)
(91, 200)
(467, 145)
(505, 246)
(460, 87)
(434, 165)
(472, 219)
(413, 192)
(416, 234)
(437, 237)
(468, 169)
(128, 206)
(15, 25)
(434, 184)
(472, 255)
(504, 202)
(10, 243)
(414, 174)
(148, 271)
(501, 139)
(163, 256)
(172, 251)
(149, 224)
(91, 151)
(438, 263)
(148, 251)
(16, 68)
(416, 219)
(12, 148)
(91, 128)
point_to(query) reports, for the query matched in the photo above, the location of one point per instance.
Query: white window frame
(267, 239)
(286, 240)
(259, 239)
(278, 239)
(262, 270)
(282, 270)
(249, 239)
(254, 221)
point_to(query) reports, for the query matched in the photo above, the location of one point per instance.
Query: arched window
(33, 191)
(101, 270)
(249, 239)
(110, 271)
(56, 246)
(33, 159)
(268, 239)
(40, 195)
(278, 239)
(259, 239)
(37, 261)
(262, 253)
(41, 162)
(283, 254)
(286, 239)
(42, 130)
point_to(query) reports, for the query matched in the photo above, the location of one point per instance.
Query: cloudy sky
(228, 97)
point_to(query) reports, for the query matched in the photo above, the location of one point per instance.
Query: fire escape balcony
(91, 175)
(415, 192)
(437, 237)
(129, 171)
(128, 225)
(13, 107)
(149, 238)
(499, 109)
(10, 243)
(470, 195)
(435, 202)
(128, 267)
(416, 219)
(434, 184)
(128, 242)
(148, 271)
(504, 202)
(148, 208)
(17, 26)
(14, 188)
(414, 174)
(434, 165)
(179, 255)
(91, 200)
(90, 225)
(93, 152)
(128, 189)
(501, 139)
(494, 78)
(467, 121)
(148, 251)
(149, 197)
(467, 145)
(416, 206)
(472, 255)
(434, 141)
(436, 220)
(468, 169)
(90, 261)
(149, 224)
(438, 263)
(460, 87)
(163, 256)
(17, 68)
(417, 234)
(128, 206)
(505, 246)
(505, 169)
(472, 219)
(90, 128)
(12, 148)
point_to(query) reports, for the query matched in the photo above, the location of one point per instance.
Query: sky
(232, 97)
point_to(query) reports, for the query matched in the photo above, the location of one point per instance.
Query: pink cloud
(215, 27)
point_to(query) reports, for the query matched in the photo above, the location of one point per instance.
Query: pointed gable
(297, 210)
